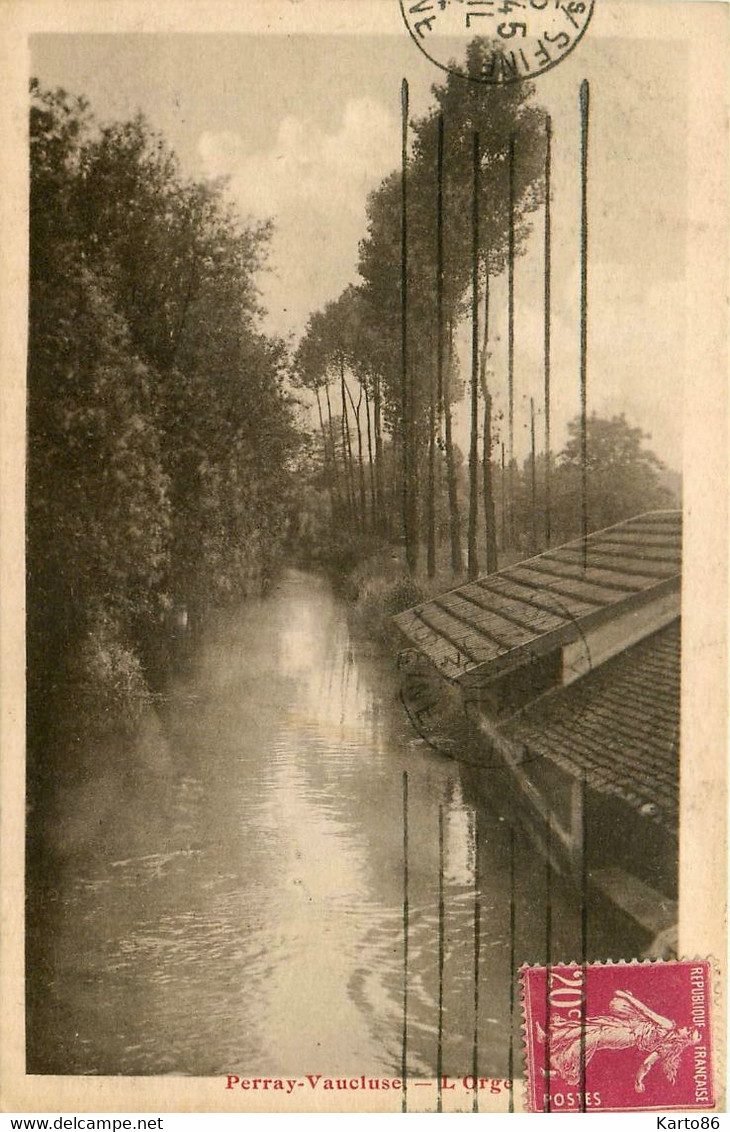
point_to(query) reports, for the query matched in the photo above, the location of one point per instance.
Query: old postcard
(364, 503)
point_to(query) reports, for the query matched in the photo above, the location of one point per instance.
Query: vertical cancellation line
(504, 503)
(548, 315)
(441, 923)
(511, 328)
(477, 949)
(512, 953)
(440, 265)
(439, 321)
(473, 452)
(585, 99)
(533, 475)
(583, 936)
(490, 533)
(404, 1045)
(548, 954)
(404, 317)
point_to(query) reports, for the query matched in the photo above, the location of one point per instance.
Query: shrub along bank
(162, 444)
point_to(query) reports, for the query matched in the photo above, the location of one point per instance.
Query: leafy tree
(623, 475)
(162, 440)
(326, 356)
(624, 479)
(98, 506)
(461, 111)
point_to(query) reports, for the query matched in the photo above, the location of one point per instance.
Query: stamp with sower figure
(624, 1037)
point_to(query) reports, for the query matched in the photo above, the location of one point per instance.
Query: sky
(305, 127)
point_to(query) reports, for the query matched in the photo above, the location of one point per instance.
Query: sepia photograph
(370, 741)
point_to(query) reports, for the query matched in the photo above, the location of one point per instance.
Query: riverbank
(378, 585)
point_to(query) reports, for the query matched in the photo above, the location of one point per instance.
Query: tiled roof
(620, 724)
(491, 625)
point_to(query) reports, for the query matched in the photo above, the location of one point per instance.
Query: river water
(225, 891)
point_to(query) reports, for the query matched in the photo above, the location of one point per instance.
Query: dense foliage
(404, 407)
(624, 479)
(161, 440)
(386, 374)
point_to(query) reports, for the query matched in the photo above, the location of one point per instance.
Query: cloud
(636, 357)
(314, 183)
(220, 152)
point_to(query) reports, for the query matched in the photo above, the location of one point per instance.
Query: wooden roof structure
(619, 726)
(500, 621)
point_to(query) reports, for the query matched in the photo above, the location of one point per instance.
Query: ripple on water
(244, 908)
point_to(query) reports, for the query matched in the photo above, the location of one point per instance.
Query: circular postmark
(518, 39)
(438, 703)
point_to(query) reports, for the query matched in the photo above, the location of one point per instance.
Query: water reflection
(225, 893)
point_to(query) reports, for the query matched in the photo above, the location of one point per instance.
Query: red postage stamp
(625, 1037)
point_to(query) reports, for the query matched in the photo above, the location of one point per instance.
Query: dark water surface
(224, 894)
